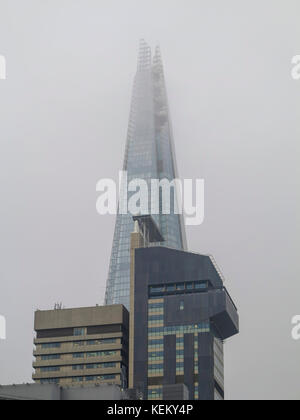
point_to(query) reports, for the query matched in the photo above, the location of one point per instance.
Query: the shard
(149, 155)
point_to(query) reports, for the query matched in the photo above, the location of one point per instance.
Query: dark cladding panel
(104, 329)
(189, 361)
(179, 266)
(195, 309)
(55, 333)
(177, 392)
(141, 324)
(206, 366)
(169, 360)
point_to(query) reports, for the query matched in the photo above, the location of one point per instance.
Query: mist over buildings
(64, 109)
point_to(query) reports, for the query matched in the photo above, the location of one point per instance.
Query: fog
(64, 109)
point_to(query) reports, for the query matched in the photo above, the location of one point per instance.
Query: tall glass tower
(149, 155)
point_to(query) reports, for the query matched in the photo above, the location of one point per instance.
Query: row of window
(156, 366)
(95, 342)
(182, 329)
(50, 369)
(156, 317)
(155, 394)
(81, 343)
(180, 365)
(79, 331)
(156, 342)
(100, 378)
(156, 372)
(153, 306)
(51, 357)
(179, 287)
(161, 353)
(51, 346)
(107, 365)
(95, 354)
(49, 381)
(80, 379)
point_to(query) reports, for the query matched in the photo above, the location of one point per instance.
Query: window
(108, 341)
(79, 331)
(156, 367)
(93, 366)
(77, 367)
(189, 286)
(78, 355)
(50, 369)
(101, 341)
(100, 378)
(180, 286)
(51, 346)
(201, 285)
(156, 317)
(170, 287)
(101, 353)
(158, 342)
(107, 365)
(78, 343)
(91, 378)
(155, 393)
(51, 357)
(153, 306)
(77, 379)
(156, 354)
(157, 289)
(49, 381)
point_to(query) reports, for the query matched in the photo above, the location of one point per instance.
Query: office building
(181, 313)
(83, 346)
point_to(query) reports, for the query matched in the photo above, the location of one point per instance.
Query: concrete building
(180, 316)
(83, 346)
(53, 392)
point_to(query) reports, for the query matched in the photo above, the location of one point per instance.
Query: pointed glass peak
(144, 56)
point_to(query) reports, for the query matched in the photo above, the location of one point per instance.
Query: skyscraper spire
(149, 155)
(144, 57)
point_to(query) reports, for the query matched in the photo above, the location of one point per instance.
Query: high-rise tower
(180, 315)
(149, 155)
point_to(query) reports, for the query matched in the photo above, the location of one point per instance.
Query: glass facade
(149, 155)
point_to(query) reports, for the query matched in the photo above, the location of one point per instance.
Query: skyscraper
(149, 155)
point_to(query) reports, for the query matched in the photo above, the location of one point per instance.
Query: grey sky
(235, 109)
